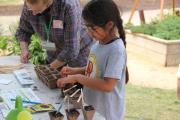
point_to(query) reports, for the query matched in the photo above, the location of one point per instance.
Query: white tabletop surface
(44, 93)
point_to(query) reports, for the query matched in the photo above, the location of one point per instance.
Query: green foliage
(15, 47)
(3, 43)
(168, 29)
(38, 54)
(9, 46)
(128, 25)
(145, 28)
(14, 44)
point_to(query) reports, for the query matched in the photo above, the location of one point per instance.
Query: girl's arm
(105, 85)
(72, 71)
(80, 70)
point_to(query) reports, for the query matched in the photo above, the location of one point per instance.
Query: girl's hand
(68, 71)
(72, 79)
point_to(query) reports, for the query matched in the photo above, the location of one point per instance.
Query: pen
(25, 101)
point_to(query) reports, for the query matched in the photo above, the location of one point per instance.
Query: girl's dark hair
(100, 12)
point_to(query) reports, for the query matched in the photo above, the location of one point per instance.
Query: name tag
(49, 46)
(58, 24)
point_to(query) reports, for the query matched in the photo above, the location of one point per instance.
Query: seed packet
(41, 108)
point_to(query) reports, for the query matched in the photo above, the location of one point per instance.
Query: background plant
(3, 45)
(168, 29)
(9, 45)
(14, 46)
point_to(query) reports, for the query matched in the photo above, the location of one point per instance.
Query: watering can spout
(19, 113)
(19, 104)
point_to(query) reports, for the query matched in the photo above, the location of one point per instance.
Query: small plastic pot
(72, 114)
(54, 116)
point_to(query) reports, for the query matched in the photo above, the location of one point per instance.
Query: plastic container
(54, 116)
(72, 114)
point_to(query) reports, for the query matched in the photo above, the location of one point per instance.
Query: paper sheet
(26, 93)
(23, 77)
(5, 81)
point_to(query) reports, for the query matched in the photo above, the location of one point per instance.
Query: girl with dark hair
(105, 74)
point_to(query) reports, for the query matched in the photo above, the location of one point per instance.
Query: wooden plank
(162, 10)
(141, 15)
(135, 5)
(174, 6)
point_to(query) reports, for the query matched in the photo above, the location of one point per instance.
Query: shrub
(168, 29)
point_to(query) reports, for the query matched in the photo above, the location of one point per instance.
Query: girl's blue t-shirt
(108, 61)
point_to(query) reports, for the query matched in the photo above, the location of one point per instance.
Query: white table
(44, 93)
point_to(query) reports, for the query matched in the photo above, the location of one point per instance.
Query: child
(104, 76)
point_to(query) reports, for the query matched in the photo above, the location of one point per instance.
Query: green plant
(11, 46)
(14, 43)
(128, 25)
(15, 46)
(168, 29)
(38, 54)
(3, 44)
(145, 28)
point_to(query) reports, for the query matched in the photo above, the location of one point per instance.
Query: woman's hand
(25, 56)
(72, 79)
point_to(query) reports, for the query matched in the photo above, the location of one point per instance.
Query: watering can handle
(19, 104)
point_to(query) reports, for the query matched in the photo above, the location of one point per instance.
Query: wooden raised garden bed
(164, 52)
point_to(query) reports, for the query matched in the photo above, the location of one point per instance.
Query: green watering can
(19, 113)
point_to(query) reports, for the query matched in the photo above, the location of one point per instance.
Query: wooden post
(133, 10)
(161, 10)
(174, 6)
(141, 15)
